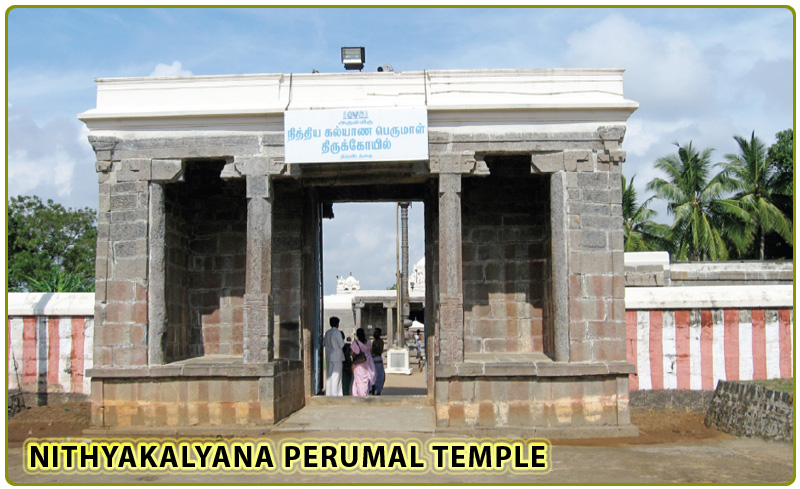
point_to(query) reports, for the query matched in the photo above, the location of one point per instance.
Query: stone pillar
(103, 147)
(559, 255)
(451, 299)
(258, 343)
(157, 272)
(389, 324)
(163, 171)
(404, 263)
(359, 307)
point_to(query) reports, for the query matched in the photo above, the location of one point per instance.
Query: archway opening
(361, 262)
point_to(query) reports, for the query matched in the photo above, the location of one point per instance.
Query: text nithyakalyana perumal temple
(212, 192)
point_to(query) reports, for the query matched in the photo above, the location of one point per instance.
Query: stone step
(371, 414)
(370, 401)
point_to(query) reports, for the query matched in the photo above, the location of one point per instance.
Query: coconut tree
(756, 185)
(705, 221)
(641, 233)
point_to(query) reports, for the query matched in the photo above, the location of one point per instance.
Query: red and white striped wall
(677, 337)
(689, 338)
(50, 340)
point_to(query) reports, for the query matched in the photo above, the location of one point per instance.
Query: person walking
(363, 368)
(377, 359)
(347, 368)
(333, 341)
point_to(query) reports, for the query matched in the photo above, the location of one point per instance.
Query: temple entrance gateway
(209, 263)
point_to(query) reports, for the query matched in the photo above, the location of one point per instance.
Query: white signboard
(343, 135)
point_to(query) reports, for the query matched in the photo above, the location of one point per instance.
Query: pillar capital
(259, 165)
(104, 151)
(611, 136)
(464, 162)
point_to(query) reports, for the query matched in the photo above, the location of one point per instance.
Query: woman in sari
(364, 372)
(377, 359)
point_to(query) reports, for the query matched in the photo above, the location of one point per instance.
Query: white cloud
(643, 134)
(361, 240)
(666, 70)
(175, 69)
(52, 160)
(765, 35)
(25, 84)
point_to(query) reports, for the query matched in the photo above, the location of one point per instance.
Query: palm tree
(704, 220)
(756, 184)
(641, 233)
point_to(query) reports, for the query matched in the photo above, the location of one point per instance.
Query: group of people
(353, 367)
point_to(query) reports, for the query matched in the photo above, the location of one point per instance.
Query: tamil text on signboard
(342, 135)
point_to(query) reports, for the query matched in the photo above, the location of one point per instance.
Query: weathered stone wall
(288, 388)
(677, 400)
(287, 226)
(178, 254)
(217, 240)
(660, 272)
(121, 270)
(374, 315)
(751, 410)
(732, 273)
(596, 280)
(505, 240)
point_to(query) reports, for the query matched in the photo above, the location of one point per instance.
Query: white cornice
(458, 97)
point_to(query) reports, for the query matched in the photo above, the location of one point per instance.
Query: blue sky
(698, 74)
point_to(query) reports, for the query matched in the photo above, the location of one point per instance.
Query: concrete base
(223, 431)
(390, 414)
(397, 362)
(378, 415)
(212, 392)
(550, 433)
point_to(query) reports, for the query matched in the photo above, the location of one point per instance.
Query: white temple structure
(370, 309)
(349, 284)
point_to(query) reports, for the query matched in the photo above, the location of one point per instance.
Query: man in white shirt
(334, 341)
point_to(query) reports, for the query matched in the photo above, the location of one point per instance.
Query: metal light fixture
(353, 58)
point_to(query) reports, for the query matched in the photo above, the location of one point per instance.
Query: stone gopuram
(209, 307)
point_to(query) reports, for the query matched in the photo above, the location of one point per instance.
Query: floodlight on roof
(353, 58)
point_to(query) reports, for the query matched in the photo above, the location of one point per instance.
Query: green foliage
(60, 281)
(48, 244)
(705, 222)
(755, 183)
(783, 385)
(781, 157)
(641, 233)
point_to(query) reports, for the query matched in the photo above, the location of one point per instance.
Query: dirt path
(48, 421)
